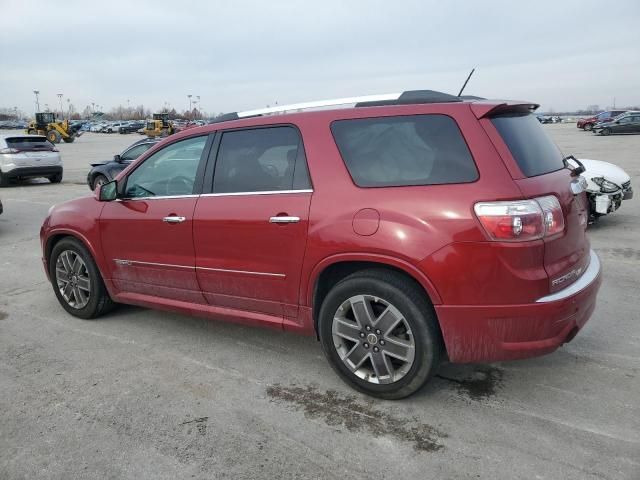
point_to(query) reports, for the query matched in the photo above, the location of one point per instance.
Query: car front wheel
(379, 333)
(76, 280)
(99, 180)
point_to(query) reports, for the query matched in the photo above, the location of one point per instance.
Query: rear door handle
(174, 219)
(284, 219)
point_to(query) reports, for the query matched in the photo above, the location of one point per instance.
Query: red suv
(589, 122)
(407, 229)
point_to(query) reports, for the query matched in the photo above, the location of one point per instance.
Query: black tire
(97, 179)
(31, 131)
(588, 127)
(99, 301)
(55, 178)
(53, 136)
(605, 131)
(69, 139)
(412, 304)
(4, 180)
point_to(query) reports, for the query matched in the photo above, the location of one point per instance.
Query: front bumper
(489, 333)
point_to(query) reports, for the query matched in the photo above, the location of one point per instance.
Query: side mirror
(116, 158)
(108, 192)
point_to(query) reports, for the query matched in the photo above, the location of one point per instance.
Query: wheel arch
(54, 237)
(333, 269)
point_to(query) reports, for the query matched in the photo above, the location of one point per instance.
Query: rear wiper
(575, 171)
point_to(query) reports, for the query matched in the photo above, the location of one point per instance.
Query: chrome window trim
(123, 262)
(230, 194)
(266, 192)
(158, 197)
(590, 274)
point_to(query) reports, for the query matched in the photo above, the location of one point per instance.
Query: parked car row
(13, 125)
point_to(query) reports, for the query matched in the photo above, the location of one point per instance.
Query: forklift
(55, 131)
(160, 126)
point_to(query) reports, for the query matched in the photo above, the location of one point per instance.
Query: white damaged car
(607, 186)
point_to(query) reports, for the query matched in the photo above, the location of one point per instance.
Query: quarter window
(261, 159)
(404, 150)
(170, 171)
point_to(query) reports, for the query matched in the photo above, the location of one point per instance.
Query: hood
(598, 168)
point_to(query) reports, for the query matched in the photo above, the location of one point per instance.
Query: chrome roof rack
(403, 98)
(320, 104)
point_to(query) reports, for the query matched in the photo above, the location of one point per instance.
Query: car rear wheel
(76, 280)
(55, 178)
(4, 180)
(379, 333)
(588, 127)
(605, 131)
(99, 180)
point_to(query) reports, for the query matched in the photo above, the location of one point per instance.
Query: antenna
(466, 81)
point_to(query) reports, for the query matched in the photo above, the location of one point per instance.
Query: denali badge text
(572, 274)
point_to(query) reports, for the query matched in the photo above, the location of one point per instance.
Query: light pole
(189, 97)
(60, 101)
(199, 103)
(69, 107)
(37, 101)
(93, 106)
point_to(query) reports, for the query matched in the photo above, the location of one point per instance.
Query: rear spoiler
(483, 109)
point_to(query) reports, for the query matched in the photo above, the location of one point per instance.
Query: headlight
(605, 185)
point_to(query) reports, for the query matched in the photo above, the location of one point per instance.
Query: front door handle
(284, 219)
(174, 219)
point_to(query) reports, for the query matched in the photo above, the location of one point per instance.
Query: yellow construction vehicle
(160, 126)
(55, 131)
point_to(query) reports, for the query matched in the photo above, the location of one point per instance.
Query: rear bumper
(32, 172)
(488, 333)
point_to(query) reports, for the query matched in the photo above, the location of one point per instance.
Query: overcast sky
(246, 54)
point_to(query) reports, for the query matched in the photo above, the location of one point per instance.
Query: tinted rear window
(29, 143)
(404, 150)
(529, 144)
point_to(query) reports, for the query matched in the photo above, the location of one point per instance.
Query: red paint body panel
(243, 260)
(489, 333)
(227, 261)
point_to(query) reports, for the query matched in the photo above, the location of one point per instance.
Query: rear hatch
(538, 169)
(32, 151)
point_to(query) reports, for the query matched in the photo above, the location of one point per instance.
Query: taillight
(521, 220)
(553, 216)
(9, 150)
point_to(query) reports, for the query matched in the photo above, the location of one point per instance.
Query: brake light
(553, 217)
(9, 150)
(521, 220)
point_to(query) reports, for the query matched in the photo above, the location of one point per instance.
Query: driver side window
(168, 172)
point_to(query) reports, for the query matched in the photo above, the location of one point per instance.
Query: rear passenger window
(405, 150)
(259, 160)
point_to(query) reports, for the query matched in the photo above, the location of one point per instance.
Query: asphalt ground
(153, 395)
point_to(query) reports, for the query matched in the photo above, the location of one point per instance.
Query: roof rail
(404, 98)
(320, 104)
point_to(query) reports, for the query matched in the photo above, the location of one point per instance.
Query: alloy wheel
(72, 278)
(373, 339)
